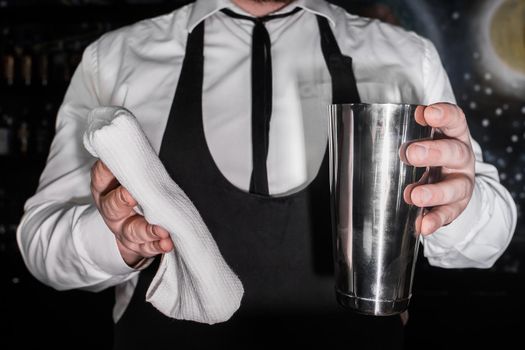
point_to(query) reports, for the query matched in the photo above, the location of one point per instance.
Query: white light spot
(503, 176)
(488, 76)
(523, 110)
(467, 76)
(15, 280)
(476, 55)
(455, 15)
(485, 122)
(473, 105)
(514, 138)
(498, 111)
(505, 106)
(509, 149)
(518, 177)
(488, 91)
(477, 87)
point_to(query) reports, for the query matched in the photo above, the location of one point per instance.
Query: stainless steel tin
(375, 238)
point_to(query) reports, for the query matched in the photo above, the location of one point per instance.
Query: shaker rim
(377, 104)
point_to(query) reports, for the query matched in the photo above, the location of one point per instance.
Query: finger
(130, 246)
(102, 179)
(151, 249)
(117, 204)
(407, 192)
(137, 230)
(441, 216)
(160, 232)
(453, 188)
(449, 118)
(166, 245)
(145, 250)
(425, 178)
(419, 115)
(449, 153)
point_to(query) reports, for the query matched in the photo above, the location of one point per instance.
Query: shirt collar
(203, 9)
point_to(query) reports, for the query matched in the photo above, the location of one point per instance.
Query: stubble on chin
(276, 1)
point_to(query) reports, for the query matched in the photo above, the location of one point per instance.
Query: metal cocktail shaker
(375, 238)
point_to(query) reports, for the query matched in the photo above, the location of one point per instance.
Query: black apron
(280, 247)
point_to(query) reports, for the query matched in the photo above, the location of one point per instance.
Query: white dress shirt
(63, 238)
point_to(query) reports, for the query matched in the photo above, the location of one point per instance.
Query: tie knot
(262, 19)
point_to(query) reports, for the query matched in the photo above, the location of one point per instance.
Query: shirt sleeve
(480, 235)
(62, 237)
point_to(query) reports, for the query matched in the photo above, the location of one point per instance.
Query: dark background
(450, 308)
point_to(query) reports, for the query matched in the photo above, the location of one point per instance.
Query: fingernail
(434, 113)
(425, 195)
(418, 152)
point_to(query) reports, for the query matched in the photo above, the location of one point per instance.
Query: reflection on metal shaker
(374, 229)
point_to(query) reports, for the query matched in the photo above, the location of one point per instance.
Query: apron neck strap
(344, 87)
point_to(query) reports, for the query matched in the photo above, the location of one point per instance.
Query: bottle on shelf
(23, 134)
(8, 56)
(9, 68)
(26, 67)
(6, 134)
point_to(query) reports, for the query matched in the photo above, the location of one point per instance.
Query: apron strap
(344, 87)
(189, 91)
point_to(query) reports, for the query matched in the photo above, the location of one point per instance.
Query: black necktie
(261, 97)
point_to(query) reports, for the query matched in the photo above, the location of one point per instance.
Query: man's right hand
(136, 238)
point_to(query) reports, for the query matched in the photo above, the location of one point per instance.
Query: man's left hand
(453, 153)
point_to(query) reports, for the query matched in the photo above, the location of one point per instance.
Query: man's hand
(136, 238)
(454, 154)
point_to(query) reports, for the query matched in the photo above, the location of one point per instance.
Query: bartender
(233, 94)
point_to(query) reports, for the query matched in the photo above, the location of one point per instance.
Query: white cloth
(193, 282)
(63, 239)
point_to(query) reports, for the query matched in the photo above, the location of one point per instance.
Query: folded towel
(193, 282)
